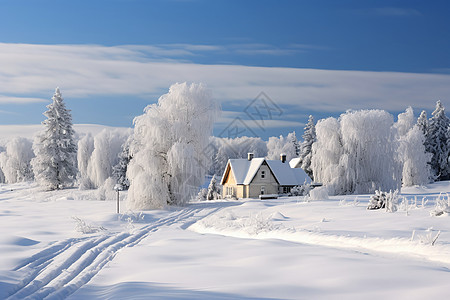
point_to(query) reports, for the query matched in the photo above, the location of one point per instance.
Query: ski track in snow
(59, 270)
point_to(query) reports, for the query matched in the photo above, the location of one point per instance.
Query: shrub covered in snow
(442, 205)
(214, 191)
(301, 190)
(168, 162)
(389, 201)
(318, 193)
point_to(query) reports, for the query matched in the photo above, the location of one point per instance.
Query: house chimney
(250, 156)
(283, 157)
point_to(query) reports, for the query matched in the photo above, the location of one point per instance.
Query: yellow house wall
(269, 182)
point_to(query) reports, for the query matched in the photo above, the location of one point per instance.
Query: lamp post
(118, 188)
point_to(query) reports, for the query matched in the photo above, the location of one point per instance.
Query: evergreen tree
(213, 192)
(55, 164)
(422, 122)
(438, 138)
(309, 137)
(120, 170)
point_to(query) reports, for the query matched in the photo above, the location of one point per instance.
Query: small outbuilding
(256, 177)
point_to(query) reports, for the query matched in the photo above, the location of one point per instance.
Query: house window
(286, 189)
(229, 191)
(263, 174)
(263, 189)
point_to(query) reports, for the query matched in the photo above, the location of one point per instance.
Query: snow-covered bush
(318, 193)
(15, 162)
(442, 205)
(55, 164)
(201, 196)
(389, 201)
(301, 190)
(214, 191)
(168, 164)
(85, 228)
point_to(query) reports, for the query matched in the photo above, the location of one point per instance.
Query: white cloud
(20, 100)
(33, 71)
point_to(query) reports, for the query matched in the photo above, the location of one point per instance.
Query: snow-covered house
(252, 177)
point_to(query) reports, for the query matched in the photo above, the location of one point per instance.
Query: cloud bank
(30, 73)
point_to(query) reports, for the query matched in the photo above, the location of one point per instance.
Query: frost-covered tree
(309, 137)
(239, 147)
(55, 164)
(168, 164)
(438, 139)
(85, 149)
(120, 169)
(405, 122)
(422, 122)
(98, 155)
(327, 152)
(213, 192)
(282, 145)
(415, 160)
(357, 153)
(107, 146)
(15, 162)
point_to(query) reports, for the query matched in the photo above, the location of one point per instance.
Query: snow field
(287, 248)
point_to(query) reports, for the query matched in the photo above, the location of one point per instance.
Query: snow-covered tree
(107, 146)
(327, 152)
(405, 122)
(168, 164)
(438, 139)
(239, 147)
(357, 153)
(85, 149)
(15, 162)
(98, 155)
(120, 169)
(309, 137)
(415, 160)
(55, 164)
(213, 192)
(422, 122)
(282, 145)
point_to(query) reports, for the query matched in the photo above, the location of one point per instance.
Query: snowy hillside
(68, 244)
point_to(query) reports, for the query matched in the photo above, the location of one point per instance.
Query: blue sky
(111, 58)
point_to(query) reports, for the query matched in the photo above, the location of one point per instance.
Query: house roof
(244, 171)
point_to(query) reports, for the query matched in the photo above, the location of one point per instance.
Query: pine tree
(422, 122)
(213, 192)
(438, 138)
(120, 170)
(55, 165)
(309, 137)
